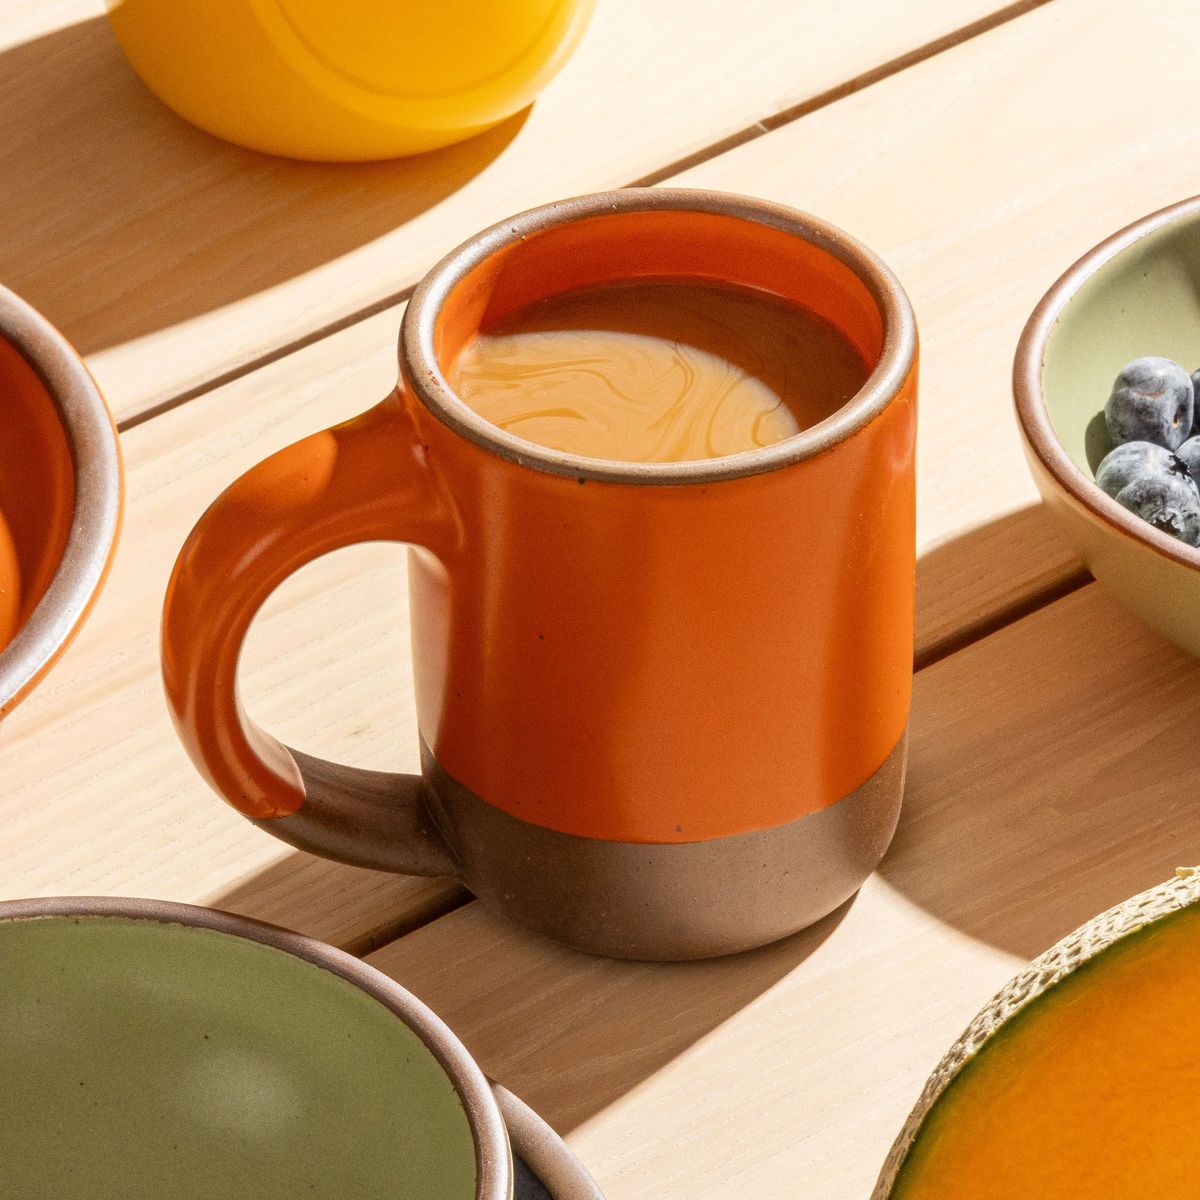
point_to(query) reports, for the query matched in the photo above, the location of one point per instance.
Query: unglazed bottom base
(681, 901)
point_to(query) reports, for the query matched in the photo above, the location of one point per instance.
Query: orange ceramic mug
(663, 706)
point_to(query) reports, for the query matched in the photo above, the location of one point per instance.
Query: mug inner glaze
(37, 491)
(658, 233)
(60, 495)
(154, 1050)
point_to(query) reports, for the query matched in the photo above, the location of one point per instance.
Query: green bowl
(1136, 293)
(152, 1050)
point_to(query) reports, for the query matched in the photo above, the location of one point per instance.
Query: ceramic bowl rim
(550, 1159)
(99, 492)
(488, 1132)
(1033, 414)
(422, 373)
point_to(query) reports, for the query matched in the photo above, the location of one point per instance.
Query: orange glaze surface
(665, 664)
(668, 663)
(633, 661)
(10, 585)
(37, 490)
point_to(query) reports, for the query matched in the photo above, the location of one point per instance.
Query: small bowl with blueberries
(1107, 391)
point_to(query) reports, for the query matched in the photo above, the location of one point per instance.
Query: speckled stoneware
(152, 1049)
(1135, 294)
(60, 496)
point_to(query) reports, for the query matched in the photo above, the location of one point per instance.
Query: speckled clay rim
(92, 538)
(1089, 940)
(423, 374)
(1033, 415)
(488, 1130)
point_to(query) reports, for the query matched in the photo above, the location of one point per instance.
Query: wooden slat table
(1035, 802)
(172, 259)
(231, 303)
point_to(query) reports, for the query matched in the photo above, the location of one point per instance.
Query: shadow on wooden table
(1055, 770)
(120, 218)
(499, 977)
(271, 895)
(590, 1030)
(965, 586)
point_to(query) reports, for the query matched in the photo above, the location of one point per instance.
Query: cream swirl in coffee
(658, 371)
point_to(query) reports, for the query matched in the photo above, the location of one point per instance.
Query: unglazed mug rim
(421, 369)
(488, 1131)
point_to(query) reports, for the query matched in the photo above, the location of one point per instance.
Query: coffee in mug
(658, 371)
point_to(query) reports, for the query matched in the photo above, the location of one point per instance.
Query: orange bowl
(60, 496)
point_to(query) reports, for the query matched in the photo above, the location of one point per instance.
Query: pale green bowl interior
(147, 1060)
(1145, 300)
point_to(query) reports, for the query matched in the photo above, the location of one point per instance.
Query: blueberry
(1196, 407)
(1189, 455)
(1168, 502)
(1152, 401)
(1136, 460)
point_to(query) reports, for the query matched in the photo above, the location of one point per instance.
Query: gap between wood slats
(392, 931)
(1009, 614)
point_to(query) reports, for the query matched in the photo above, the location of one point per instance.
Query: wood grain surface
(1054, 761)
(171, 258)
(1054, 772)
(329, 665)
(980, 176)
(1054, 764)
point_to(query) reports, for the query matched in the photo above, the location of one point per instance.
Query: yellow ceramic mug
(347, 80)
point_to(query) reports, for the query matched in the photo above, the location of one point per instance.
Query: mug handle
(368, 479)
